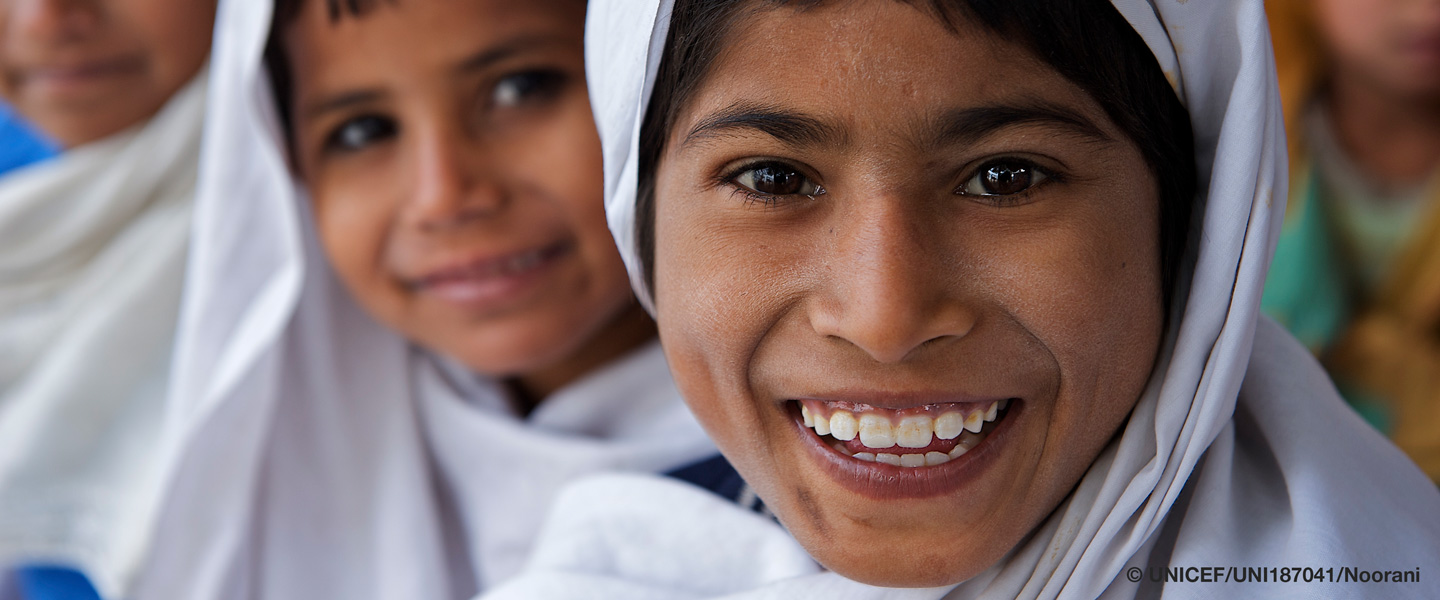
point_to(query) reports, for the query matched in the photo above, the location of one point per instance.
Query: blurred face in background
(1391, 44)
(455, 172)
(81, 70)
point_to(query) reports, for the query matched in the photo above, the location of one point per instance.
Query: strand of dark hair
(276, 61)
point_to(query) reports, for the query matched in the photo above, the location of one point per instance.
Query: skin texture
(435, 134)
(1384, 92)
(81, 70)
(900, 281)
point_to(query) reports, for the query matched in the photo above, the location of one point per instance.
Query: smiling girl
(920, 268)
(429, 327)
(967, 269)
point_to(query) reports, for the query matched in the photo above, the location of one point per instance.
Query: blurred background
(1356, 276)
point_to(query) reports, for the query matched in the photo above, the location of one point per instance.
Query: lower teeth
(929, 459)
(966, 442)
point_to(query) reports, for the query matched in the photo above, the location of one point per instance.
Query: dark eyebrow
(476, 62)
(970, 125)
(509, 48)
(790, 127)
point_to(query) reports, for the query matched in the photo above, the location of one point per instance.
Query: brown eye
(777, 179)
(1003, 178)
(528, 86)
(361, 132)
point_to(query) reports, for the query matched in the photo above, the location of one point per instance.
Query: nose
(890, 292)
(56, 19)
(453, 182)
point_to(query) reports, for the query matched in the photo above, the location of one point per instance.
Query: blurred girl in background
(1357, 272)
(92, 256)
(409, 325)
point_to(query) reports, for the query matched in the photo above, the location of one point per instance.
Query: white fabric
(92, 257)
(504, 471)
(324, 457)
(1285, 476)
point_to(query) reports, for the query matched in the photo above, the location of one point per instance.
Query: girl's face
(81, 70)
(455, 172)
(928, 245)
(1394, 45)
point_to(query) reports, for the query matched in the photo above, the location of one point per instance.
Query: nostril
(896, 340)
(892, 313)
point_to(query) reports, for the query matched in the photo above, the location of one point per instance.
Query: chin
(910, 566)
(511, 352)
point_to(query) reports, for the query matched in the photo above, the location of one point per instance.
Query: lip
(492, 282)
(880, 481)
(77, 75)
(1424, 47)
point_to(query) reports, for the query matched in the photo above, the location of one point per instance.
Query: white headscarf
(1287, 475)
(323, 456)
(92, 256)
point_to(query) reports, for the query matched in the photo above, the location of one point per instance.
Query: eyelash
(334, 142)
(1045, 176)
(545, 84)
(752, 196)
(1048, 176)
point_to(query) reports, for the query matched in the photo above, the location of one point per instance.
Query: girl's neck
(1393, 137)
(630, 329)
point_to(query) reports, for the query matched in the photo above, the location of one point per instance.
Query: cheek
(690, 281)
(176, 33)
(712, 311)
(1089, 287)
(1091, 293)
(354, 227)
(562, 161)
(1355, 30)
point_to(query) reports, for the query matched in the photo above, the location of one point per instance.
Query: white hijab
(92, 257)
(325, 457)
(1239, 424)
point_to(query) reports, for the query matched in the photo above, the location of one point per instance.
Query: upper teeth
(878, 429)
(949, 425)
(875, 430)
(843, 426)
(914, 431)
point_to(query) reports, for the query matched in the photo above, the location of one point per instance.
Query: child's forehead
(355, 20)
(844, 60)
(417, 36)
(871, 42)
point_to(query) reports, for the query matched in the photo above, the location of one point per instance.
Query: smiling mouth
(513, 265)
(78, 73)
(496, 283)
(911, 438)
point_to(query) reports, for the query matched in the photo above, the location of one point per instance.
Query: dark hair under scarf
(286, 11)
